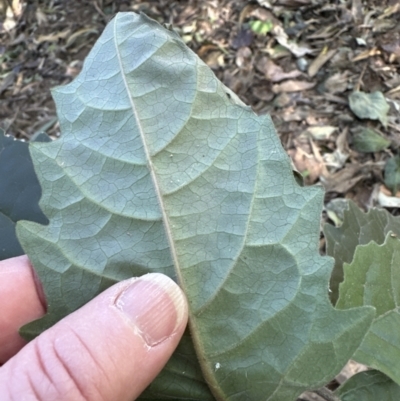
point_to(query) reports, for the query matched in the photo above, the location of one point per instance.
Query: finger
(20, 303)
(111, 349)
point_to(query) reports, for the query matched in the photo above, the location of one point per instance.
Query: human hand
(110, 349)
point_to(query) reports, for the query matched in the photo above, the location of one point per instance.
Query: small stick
(326, 394)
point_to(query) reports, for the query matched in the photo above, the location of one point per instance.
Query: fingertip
(155, 305)
(111, 348)
(20, 301)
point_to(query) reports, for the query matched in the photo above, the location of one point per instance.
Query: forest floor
(327, 71)
(298, 60)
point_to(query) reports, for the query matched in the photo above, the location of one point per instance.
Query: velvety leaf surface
(373, 279)
(371, 385)
(181, 379)
(358, 228)
(19, 193)
(162, 168)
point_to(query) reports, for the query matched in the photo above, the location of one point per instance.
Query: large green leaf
(373, 278)
(358, 228)
(162, 168)
(19, 192)
(371, 385)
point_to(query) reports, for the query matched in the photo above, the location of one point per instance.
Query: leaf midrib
(154, 179)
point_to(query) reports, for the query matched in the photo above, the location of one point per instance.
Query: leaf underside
(162, 168)
(371, 385)
(358, 228)
(373, 279)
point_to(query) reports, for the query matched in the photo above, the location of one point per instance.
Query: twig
(100, 11)
(359, 81)
(326, 394)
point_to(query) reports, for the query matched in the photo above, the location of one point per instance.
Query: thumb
(110, 349)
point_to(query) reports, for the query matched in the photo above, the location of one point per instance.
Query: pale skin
(110, 349)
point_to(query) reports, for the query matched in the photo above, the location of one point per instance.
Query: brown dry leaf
(293, 86)
(295, 112)
(10, 21)
(321, 132)
(325, 32)
(82, 32)
(266, 3)
(342, 143)
(306, 164)
(73, 68)
(277, 52)
(357, 11)
(17, 7)
(211, 55)
(386, 199)
(310, 165)
(205, 49)
(214, 59)
(54, 37)
(337, 83)
(212, 10)
(283, 40)
(392, 45)
(274, 72)
(243, 57)
(293, 3)
(388, 192)
(367, 54)
(317, 155)
(338, 158)
(41, 17)
(395, 8)
(393, 82)
(322, 58)
(282, 100)
(246, 11)
(263, 92)
(342, 181)
(232, 81)
(384, 25)
(264, 15)
(312, 120)
(363, 195)
(393, 91)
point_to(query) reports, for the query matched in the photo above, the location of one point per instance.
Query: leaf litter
(299, 61)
